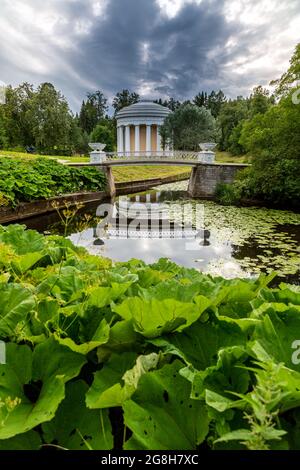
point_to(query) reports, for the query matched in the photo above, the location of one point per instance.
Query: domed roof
(143, 109)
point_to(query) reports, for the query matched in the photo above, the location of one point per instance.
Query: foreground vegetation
(102, 356)
(26, 180)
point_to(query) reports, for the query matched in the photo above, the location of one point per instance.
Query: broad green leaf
(28, 441)
(277, 333)
(121, 391)
(201, 342)
(23, 241)
(76, 427)
(161, 414)
(32, 385)
(228, 375)
(172, 289)
(100, 337)
(65, 286)
(155, 317)
(101, 296)
(218, 402)
(25, 262)
(106, 388)
(122, 337)
(16, 303)
(150, 277)
(238, 435)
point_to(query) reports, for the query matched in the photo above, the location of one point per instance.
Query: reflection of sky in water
(189, 253)
(237, 241)
(207, 253)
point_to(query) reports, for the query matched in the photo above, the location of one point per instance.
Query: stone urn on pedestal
(97, 155)
(207, 155)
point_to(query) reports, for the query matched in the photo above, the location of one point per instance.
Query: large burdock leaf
(172, 289)
(23, 241)
(76, 427)
(278, 332)
(199, 344)
(154, 317)
(28, 441)
(116, 383)
(24, 263)
(161, 414)
(65, 286)
(107, 388)
(16, 303)
(99, 338)
(32, 384)
(101, 296)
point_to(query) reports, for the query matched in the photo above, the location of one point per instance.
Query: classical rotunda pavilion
(138, 128)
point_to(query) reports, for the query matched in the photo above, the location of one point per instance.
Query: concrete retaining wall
(31, 209)
(205, 177)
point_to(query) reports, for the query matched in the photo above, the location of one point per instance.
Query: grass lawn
(135, 173)
(226, 157)
(76, 159)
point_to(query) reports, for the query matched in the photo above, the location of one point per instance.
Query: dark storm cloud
(83, 45)
(176, 60)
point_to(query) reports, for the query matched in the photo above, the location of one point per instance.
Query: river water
(165, 222)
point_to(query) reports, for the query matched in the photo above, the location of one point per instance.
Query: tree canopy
(124, 98)
(187, 127)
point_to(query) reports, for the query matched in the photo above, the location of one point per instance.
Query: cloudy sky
(156, 47)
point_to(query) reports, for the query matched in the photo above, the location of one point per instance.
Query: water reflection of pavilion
(143, 216)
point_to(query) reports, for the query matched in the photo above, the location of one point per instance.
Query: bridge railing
(171, 155)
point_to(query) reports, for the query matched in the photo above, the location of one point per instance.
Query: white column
(127, 140)
(121, 139)
(148, 140)
(137, 140)
(158, 142)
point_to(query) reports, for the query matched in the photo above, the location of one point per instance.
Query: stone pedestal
(97, 157)
(206, 156)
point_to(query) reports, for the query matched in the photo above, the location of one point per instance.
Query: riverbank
(32, 209)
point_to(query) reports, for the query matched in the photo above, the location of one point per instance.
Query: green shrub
(25, 180)
(227, 194)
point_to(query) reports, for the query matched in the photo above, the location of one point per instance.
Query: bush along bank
(136, 356)
(37, 179)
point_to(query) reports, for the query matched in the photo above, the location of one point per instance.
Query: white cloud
(176, 46)
(172, 7)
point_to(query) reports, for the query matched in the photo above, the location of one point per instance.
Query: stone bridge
(204, 176)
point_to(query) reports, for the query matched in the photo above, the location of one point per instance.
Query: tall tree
(231, 114)
(200, 99)
(273, 141)
(105, 133)
(171, 103)
(124, 98)
(215, 101)
(50, 119)
(291, 78)
(188, 126)
(92, 111)
(260, 101)
(3, 125)
(17, 104)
